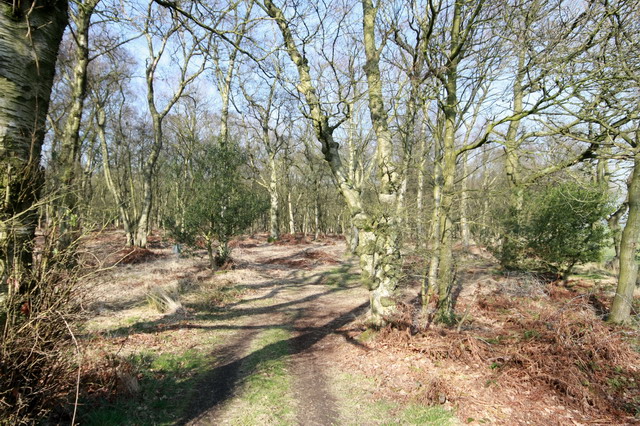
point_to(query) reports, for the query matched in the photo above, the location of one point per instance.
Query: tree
(158, 38)
(30, 35)
(223, 205)
(379, 249)
(560, 224)
(269, 114)
(67, 160)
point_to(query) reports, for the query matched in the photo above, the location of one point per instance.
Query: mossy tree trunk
(68, 159)
(621, 307)
(378, 249)
(30, 35)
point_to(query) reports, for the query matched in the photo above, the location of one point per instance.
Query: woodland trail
(311, 304)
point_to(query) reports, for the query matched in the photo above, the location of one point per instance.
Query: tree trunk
(120, 200)
(379, 251)
(621, 307)
(30, 35)
(274, 220)
(420, 195)
(292, 224)
(316, 219)
(69, 157)
(429, 285)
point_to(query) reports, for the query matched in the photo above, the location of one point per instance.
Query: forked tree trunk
(30, 35)
(378, 251)
(621, 307)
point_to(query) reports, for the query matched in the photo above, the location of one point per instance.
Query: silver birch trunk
(30, 36)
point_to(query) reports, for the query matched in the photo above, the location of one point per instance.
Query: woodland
(329, 212)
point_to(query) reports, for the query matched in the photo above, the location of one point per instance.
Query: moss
(372, 284)
(387, 302)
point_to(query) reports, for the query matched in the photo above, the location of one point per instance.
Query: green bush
(559, 225)
(223, 204)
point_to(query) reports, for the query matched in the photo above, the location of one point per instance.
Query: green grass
(266, 396)
(341, 277)
(166, 383)
(416, 414)
(359, 407)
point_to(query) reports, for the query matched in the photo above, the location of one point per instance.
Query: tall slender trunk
(292, 223)
(621, 307)
(464, 203)
(316, 219)
(225, 88)
(448, 168)
(148, 172)
(420, 191)
(119, 199)
(429, 285)
(69, 157)
(30, 35)
(274, 219)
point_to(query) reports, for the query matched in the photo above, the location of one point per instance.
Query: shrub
(36, 352)
(223, 205)
(559, 225)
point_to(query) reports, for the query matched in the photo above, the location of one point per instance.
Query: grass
(266, 396)
(415, 414)
(341, 277)
(359, 407)
(166, 381)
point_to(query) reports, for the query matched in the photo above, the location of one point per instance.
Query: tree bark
(621, 307)
(30, 35)
(274, 219)
(69, 157)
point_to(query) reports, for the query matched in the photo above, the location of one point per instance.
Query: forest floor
(280, 338)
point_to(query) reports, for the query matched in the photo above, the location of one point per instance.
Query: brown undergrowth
(550, 347)
(304, 259)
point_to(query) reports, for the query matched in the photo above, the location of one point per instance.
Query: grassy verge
(166, 381)
(266, 396)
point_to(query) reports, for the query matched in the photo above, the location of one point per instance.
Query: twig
(75, 342)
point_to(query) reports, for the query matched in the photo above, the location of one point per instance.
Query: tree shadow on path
(218, 385)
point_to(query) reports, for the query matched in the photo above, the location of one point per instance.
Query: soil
(479, 370)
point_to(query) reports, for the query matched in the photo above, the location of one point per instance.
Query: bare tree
(158, 39)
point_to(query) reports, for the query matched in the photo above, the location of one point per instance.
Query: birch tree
(30, 35)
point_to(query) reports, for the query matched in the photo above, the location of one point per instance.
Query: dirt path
(309, 300)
